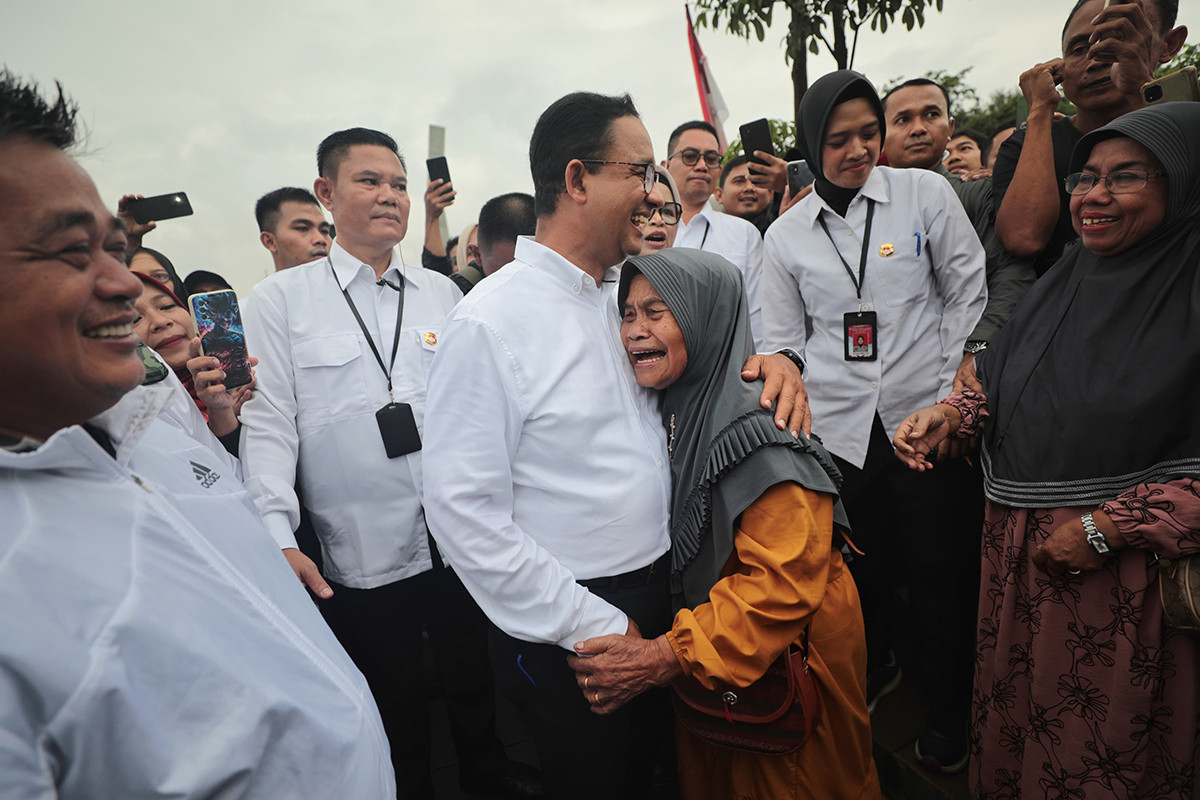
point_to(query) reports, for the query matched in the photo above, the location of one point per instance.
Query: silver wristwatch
(1094, 536)
(973, 348)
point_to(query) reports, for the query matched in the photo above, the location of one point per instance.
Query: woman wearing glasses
(659, 231)
(1091, 428)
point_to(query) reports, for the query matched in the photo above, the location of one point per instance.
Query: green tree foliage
(1188, 56)
(833, 24)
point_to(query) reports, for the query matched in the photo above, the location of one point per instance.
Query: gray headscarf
(726, 450)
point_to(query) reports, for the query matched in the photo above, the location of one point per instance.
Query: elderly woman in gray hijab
(754, 559)
(1090, 415)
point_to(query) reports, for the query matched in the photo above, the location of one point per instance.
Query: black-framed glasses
(690, 155)
(1122, 182)
(669, 212)
(649, 179)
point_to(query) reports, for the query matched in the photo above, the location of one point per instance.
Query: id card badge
(859, 334)
(398, 428)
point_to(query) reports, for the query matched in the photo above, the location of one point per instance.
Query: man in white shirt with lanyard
(343, 344)
(695, 164)
(550, 494)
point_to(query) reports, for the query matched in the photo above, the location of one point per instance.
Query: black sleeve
(1005, 165)
(441, 264)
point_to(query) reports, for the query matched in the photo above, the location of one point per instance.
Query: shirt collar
(347, 268)
(875, 188)
(562, 271)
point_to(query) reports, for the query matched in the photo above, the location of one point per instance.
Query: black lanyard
(866, 246)
(387, 370)
(707, 226)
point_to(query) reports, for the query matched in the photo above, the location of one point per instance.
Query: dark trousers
(584, 755)
(920, 529)
(381, 630)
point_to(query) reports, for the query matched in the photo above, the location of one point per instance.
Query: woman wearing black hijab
(753, 558)
(877, 278)
(1091, 434)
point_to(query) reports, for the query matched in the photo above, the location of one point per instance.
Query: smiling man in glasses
(694, 161)
(550, 499)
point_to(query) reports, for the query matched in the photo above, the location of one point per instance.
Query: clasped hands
(612, 670)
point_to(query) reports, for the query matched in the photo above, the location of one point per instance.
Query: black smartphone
(799, 176)
(160, 207)
(756, 135)
(438, 168)
(218, 322)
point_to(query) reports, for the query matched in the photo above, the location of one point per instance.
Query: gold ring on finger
(585, 681)
(1073, 571)
(596, 698)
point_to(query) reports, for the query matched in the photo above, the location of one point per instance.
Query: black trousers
(381, 630)
(584, 755)
(923, 530)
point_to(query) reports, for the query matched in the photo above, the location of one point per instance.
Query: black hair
(333, 148)
(165, 262)
(577, 126)
(24, 111)
(450, 243)
(694, 125)
(733, 163)
(981, 139)
(918, 82)
(193, 282)
(504, 218)
(266, 210)
(1168, 12)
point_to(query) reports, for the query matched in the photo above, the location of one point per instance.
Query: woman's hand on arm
(1067, 549)
(922, 432)
(612, 670)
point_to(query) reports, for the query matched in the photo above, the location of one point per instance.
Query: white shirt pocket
(329, 377)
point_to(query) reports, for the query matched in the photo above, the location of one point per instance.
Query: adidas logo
(206, 476)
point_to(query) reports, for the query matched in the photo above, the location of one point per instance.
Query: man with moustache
(740, 196)
(153, 643)
(551, 498)
(1108, 53)
(344, 343)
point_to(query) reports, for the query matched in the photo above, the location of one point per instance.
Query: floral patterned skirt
(1079, 691)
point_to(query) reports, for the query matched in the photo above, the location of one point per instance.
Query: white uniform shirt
(926, 303)
(545, 462)
(738, 241)
(319, 387)
(154, 642)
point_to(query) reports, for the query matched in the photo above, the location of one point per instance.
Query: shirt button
(866, 307)
(575, 288)
(660, 462)
(874, 384)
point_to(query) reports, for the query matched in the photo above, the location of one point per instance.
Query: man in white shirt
(153, 642)
(343, 345)
(695, 163)
(550, 496)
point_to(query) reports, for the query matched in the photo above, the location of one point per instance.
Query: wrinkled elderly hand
(922, 432)
(618, 668)
(1067, 549)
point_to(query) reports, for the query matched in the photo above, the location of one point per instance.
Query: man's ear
(268, 241)
(951, 128)
(574, 177)
(323, 189)
(1172, 43)
(474, 254)
(717, 192)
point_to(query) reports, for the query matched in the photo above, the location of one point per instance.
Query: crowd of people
(659, 430)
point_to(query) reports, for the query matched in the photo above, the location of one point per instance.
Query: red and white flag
(712, 105)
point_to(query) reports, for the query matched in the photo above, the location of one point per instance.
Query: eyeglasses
(1123, 182)
(669, 212)
(690, 155)
(649, 179)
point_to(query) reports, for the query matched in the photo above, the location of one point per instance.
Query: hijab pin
(886, 250)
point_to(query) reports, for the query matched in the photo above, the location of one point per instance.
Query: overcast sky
(228, 100)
